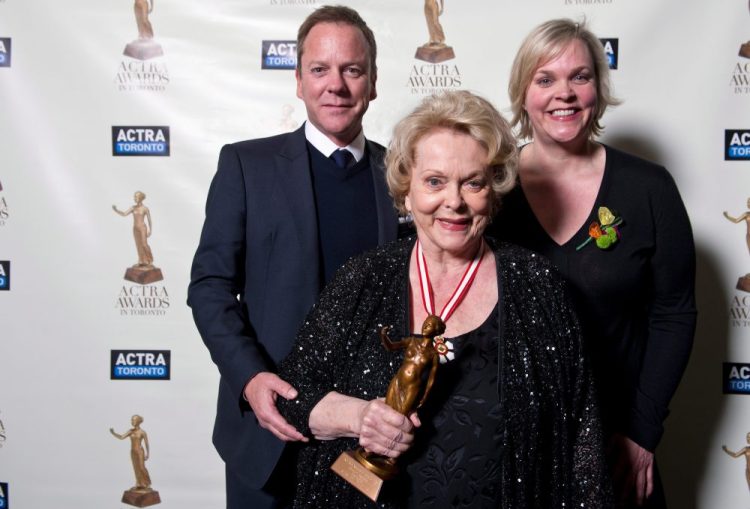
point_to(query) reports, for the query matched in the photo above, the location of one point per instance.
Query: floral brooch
(605, 232)
(444, 348)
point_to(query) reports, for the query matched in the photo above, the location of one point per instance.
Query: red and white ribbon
(428, 298)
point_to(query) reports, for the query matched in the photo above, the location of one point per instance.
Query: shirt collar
(326, 147)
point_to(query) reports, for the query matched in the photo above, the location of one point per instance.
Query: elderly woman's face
(561, 98)
(449, 193)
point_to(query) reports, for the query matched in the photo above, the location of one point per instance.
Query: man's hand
(632, 470)
(261, 392)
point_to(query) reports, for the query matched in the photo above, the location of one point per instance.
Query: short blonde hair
(545, 43)
(460, 111)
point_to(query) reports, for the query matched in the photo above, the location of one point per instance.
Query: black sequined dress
(549, 449)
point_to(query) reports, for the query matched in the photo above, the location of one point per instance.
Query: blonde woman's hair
(459, 111)
(545, 43)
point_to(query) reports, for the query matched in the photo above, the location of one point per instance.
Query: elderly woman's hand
(385, 431)
(380, 428)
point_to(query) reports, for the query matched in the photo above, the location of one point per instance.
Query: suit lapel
(293, 170)
(387, 218)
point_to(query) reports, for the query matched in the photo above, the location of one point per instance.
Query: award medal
(444, 347)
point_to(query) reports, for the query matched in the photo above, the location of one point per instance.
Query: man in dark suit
(283, 213)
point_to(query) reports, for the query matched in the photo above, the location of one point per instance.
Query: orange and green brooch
(605, 232)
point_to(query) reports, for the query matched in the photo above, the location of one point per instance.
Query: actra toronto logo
(279, 55)
(140, 140)
(140, 364)
(736, 378)
(611, 50)
(736, 144)
(5, 44)
(4, 274)
(4, 496)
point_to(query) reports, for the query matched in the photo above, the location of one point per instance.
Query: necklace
(444, 347)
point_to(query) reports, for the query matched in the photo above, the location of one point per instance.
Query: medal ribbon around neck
(445, 347)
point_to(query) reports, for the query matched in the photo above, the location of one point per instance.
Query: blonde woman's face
(561, 98)
(450, 194)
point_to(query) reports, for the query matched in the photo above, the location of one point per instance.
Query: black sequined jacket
(552, 445)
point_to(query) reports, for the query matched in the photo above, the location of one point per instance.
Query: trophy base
(143, 49)
(143, 275)
(139, 498)
(745, 50)
(743, 283)
(434, 54)
(365, 474)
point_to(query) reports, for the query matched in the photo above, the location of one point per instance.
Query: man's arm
(217, 278)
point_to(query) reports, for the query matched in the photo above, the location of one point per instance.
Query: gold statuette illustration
(745, 451)
(144, 47)
(407, 392)
(745, 48)
(144, 271)
(743, 283)
(435, 50)
(140, 495)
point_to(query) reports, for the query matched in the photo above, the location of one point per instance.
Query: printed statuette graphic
(745, 451)
(435, 50)
(743, 283)
(144, 271)
(140, 495)
(144, 47)
(2, 433)
(745, 48)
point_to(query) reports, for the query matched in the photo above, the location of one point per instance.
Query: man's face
(335, 80)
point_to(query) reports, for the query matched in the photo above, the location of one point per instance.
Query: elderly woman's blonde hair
(545, 43)
(463, 112)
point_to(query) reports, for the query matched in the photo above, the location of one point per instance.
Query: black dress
(549, 447)
(635, 299)
(455, 461)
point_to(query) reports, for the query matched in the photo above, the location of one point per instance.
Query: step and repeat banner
(112, 114)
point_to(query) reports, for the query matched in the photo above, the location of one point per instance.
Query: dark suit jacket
(255, 275)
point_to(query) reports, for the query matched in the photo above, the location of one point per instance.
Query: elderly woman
(510, 419)
(616, 228)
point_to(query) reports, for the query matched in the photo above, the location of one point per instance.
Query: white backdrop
(68, 83)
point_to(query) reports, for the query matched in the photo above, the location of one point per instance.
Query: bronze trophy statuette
(743, 283)
(745, 48)
(745, 451)
(435, 50)
(144, 47)
(144, 271)
(406, 393)
(140, 495)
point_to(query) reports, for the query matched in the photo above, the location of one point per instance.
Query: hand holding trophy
(407, 392)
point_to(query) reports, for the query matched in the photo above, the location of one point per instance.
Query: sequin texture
(551, 443)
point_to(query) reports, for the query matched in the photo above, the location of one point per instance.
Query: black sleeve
(671, 316)
(217, 277)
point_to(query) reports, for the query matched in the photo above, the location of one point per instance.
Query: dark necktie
(342, 158)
